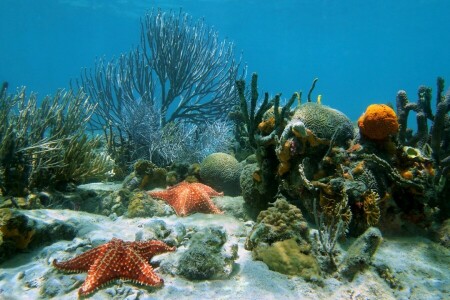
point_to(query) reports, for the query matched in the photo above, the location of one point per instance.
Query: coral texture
(221, 171)
(283, 221)
(378, 122)
(253, 191)
(325, 122)
(287, 257)
(116, 259)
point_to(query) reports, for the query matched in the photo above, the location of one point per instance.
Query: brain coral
(378, 122)
(323, 121)
(221, 171)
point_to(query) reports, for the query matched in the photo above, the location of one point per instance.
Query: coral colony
(297, 166)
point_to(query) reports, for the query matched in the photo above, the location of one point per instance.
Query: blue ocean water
(362, 51)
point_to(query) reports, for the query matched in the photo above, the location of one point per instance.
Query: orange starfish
(116, 259)
(187, 198)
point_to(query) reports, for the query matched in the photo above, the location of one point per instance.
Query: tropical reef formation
(347, 182)
(232, 184)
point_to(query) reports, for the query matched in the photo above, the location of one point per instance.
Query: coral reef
(249, 122)
(438, 137)
(146, 175)
(221, 171)
(378, 122)
(141, 205)
(443, 234)
(246, 118)
(255, 193)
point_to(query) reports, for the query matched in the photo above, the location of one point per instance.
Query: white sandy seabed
(421, 266)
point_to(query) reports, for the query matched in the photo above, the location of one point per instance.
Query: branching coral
(371, 208)
(438, 137)
(248, 121)
(180, 73)
(332, 216)
(46, 145)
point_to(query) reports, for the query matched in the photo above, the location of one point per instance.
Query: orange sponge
(378, 122)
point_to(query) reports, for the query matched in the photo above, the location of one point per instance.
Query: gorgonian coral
(371, 208)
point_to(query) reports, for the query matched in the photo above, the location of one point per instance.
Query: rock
(20, 233)
(207, 256)
(233, 206)
(359, 255)
(444, 234)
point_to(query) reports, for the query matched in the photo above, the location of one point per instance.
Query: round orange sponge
(378, 122)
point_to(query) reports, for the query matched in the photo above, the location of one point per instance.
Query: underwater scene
(224, 149)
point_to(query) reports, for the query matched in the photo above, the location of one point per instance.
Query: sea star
(187, 198)
(116, 259)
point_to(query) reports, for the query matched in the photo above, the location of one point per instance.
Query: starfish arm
(117, 259)
(139, 270)
(166, 195)
(204, 203)
(209, 207)
(148, 249)
(209, 190)
(82, 262)
(104, 269)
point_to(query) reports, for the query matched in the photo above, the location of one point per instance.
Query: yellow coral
(371, 208)
(334, 204)
(287, 257)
